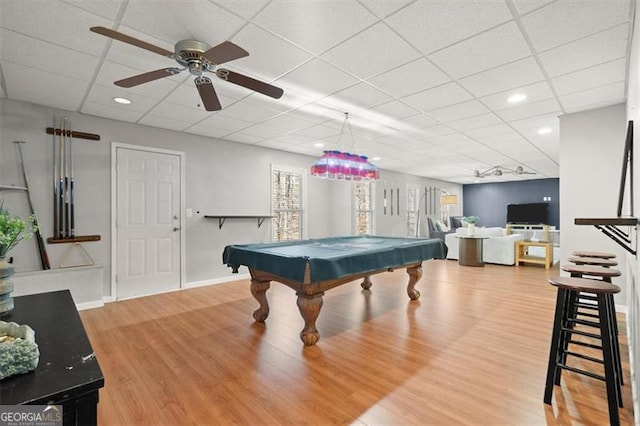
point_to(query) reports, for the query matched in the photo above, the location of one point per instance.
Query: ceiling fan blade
(250, 83)
(225, 52)
(147, 77)
(108, 32)
(207, 94)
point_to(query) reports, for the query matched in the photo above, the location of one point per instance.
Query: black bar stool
(587, 301)
(564, 330)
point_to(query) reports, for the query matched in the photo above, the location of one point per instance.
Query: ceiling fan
(499, 171)
(198, 58)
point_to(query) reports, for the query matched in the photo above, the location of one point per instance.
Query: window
(363, 208)
(287, 202)
(412, 210)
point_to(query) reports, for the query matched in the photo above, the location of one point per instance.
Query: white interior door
(147, 222)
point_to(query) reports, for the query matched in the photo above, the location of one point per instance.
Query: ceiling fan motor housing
(189, 55)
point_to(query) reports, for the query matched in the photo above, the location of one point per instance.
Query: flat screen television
(529, 214)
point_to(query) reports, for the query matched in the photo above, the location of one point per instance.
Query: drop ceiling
(426, 83)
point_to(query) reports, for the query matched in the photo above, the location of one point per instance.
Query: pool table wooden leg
(415, 273)
(259, 292)
(366, 283)
(310, 309)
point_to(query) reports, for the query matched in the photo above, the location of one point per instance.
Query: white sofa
(498, 248)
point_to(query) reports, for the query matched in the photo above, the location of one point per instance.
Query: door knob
(176, 229)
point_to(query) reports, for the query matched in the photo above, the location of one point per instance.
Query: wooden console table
(522, 253)
(68, 373)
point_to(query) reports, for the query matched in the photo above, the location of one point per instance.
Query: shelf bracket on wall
(222, 219)
(611, 228)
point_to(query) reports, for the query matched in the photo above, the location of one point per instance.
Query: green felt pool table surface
(311, 267)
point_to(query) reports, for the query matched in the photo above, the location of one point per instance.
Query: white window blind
(286, 191)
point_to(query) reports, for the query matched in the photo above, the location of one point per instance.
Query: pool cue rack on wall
(73, 134)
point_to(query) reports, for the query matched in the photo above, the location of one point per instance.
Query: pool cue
(398, 200)
(56, 195)
(62, 185)
(70, 230)
(42, 250)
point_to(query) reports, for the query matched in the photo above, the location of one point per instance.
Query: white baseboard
(89, 305)
(202, 283)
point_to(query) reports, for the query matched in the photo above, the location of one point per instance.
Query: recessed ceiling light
(477, 181)
(376, 159)
(544, 130)
(518, 97)
(123, 101)
(318, 145)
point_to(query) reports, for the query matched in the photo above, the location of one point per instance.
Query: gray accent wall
(489, 201)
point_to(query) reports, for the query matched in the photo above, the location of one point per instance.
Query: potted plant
(471, 220)
(12, 231)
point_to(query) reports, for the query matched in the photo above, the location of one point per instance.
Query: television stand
(533, 228)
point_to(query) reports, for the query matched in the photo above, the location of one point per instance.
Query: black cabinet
(68, 373)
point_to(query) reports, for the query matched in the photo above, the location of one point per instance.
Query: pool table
(311, 267)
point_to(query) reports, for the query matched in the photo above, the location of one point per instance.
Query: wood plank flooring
(473, 350)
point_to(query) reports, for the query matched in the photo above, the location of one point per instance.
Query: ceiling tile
(45, 56)
(410, 78)
(433, 25)
(384, 8)
(56, 23)
(507, 77)
(526, 6)
(545, 120)
(263, 130)
(114, 112)
(534, 92)
(459, 111)
(590, 78)
(602, 47)
(106, 8)
(244, 138)
(245, 8)
(566, 21)
(289, 123)
(478, 121)
(395, 109)
(319, 132)
(104, 95)
(315, 26)
(600, 96)
(317, 78)
(269, 55)
(363, 95)
(488, 131)
(43, 88)
(164, 122)
(248, 112)
(447, 94)
(487, 50)
(177, 22)
(530, 110)
(419, 121)
(373, 51)
(224, 123)
(181, 113)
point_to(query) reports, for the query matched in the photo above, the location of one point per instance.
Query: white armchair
(498, 248)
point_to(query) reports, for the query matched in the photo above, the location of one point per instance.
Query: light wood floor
(473, 350)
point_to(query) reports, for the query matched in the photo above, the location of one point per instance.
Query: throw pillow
(442, 226)
(456, 222)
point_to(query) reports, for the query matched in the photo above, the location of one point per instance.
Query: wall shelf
(77, 239)
(610, 226)
(222, 219)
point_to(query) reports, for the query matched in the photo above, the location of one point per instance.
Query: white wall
(221, 178)
(633, 266)
(591, 150)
